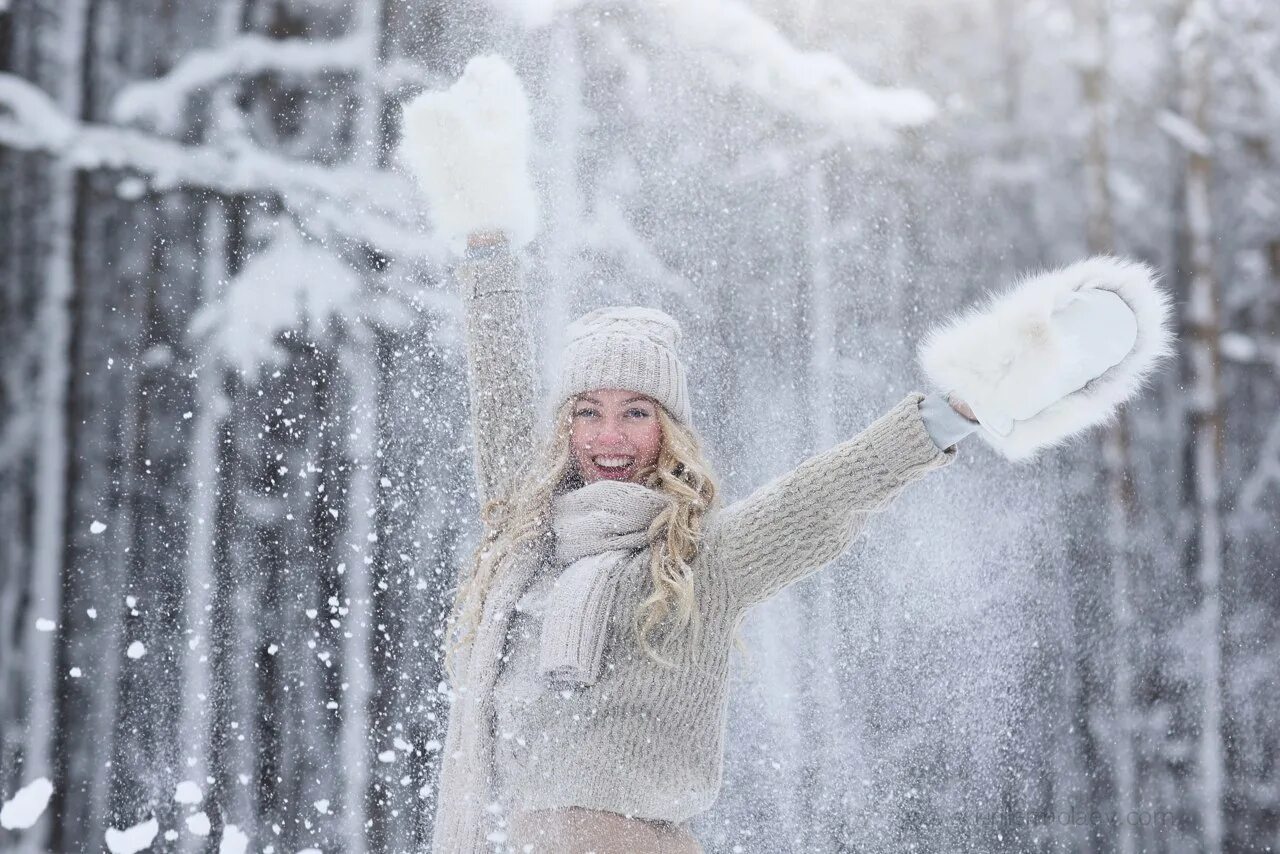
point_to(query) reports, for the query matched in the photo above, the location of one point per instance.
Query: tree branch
(373, 206)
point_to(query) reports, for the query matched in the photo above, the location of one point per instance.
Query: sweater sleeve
(500, 365)
(806, 518)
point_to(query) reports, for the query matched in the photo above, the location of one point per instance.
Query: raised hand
(1054, 355)
(468, 148)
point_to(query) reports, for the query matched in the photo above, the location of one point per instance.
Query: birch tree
(52, 464)
(1203, 326)
(1094, 44)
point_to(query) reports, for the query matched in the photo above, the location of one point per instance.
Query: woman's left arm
(806, 518)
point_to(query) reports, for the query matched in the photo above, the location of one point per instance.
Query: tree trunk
(209, 410)
(63, 227)
(361, 367)
(1093, 18)
(1205, 410)
(357, 658)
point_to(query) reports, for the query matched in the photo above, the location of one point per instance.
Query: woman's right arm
(500, 361)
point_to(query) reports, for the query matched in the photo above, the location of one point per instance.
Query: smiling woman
(591, 637)
(588, 640)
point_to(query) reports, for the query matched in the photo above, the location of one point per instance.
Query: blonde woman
(589, 637)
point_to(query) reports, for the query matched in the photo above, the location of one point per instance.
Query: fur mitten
(1056, 354)
(468, 147)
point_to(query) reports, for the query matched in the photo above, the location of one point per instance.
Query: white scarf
(598, 527)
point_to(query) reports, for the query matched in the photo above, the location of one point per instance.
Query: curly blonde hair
(523, 518)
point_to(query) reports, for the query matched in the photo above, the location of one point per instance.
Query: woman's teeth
(612, 462)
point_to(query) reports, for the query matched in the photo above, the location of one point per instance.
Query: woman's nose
(611, 432)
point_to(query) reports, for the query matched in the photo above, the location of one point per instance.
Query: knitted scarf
(597, 528)
(600, 532)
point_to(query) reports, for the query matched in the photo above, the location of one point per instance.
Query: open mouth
(613, 465)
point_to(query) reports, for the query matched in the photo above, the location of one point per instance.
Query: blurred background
(235, 472)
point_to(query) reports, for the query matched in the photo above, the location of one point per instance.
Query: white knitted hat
(626, 347)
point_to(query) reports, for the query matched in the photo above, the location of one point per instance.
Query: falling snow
(198, 824)
(233, 339)
(27, 805)
(135, 838)
(188, 792)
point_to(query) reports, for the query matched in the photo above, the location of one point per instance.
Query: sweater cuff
(903, 444)
(945, 425)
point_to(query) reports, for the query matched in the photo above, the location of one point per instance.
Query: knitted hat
(626, 347)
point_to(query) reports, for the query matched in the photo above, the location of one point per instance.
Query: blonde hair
(523, 518)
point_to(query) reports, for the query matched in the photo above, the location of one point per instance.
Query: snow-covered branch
(1239, 348)
(291, 283)
(1184, 133)
(1244, 349)
(161, 101)
(374, 206)
(37, 120)
(609, 233)
(1267, 83)
(1265, 475)
(743, 49)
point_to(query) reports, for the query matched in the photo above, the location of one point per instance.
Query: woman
(589, 639)
(594, 626)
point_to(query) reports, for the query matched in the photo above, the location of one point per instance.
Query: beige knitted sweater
(644, 740)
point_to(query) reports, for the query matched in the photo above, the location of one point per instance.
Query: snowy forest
(235, 467)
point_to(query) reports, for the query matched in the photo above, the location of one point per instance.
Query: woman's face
(615, 435)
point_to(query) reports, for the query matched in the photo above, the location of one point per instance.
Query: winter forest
(235, 470)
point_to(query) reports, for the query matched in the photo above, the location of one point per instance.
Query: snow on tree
(292, 284)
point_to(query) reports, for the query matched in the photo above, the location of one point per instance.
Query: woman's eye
(639, 412)
(585, 412)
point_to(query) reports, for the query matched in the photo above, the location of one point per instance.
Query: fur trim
(468, 148)
(998, 350)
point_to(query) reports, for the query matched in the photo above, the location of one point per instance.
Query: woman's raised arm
(500, 361)
(799, 522)
(468, 148)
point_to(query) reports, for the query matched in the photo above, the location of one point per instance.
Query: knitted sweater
(644, 740)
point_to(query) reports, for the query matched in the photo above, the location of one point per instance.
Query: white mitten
(1056, 354)
(468, 147)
